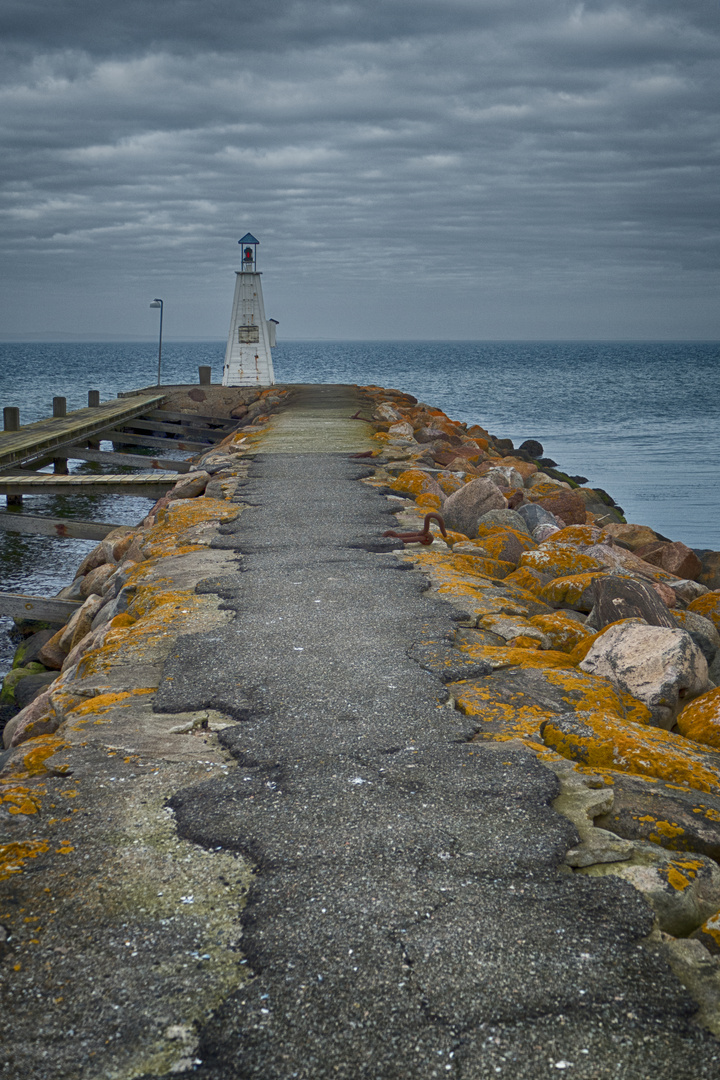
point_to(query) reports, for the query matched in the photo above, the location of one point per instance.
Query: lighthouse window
(248, 335)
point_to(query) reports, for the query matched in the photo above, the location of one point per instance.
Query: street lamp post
(157, 303)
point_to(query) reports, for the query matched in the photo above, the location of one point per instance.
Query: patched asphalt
(409, 916)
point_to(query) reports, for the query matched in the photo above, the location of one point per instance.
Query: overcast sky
(485, 169)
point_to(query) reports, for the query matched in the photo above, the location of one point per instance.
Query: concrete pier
(264, 844)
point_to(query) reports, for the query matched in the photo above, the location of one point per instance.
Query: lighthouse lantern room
(248, 359)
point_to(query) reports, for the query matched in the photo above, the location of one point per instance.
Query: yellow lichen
(564, 633)
(527, 579)
(677, 880)
(575, 535)
(560, 560)
(613, 743)
(14, 856)
(482, 566)
(700, 720)
(708, 606)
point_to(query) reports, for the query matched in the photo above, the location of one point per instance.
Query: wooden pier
(27, 444)
(149, 484)
(134, 419)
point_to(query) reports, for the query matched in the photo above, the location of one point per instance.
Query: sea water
(640, 420)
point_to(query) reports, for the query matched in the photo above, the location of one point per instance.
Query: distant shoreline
(49, 337)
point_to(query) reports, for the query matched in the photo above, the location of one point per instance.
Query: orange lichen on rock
(480, 595)
(527, 579)
(14, 856)
(700, 720)
(450, 482)
(666, 830)
(709, 934)
(560, 560)
(544, 488)
(481, 565)
(595, 693)
(607, 742)
(451, 537)
(570, 590)
(120, 622)
(564, 633)
(36, 755)
(166, 535)
(504, 543)
(103, 703)
(155, 611)
(512, 710)
(579, 536)
(708, 606)
(428, 501)
(415, 482)
(523, 641)
(527, 655)
(506, 715)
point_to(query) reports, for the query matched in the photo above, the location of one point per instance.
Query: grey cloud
(564, 153)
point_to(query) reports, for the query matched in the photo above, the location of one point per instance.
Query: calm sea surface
(638, 419)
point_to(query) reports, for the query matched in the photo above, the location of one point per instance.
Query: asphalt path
(410, 916)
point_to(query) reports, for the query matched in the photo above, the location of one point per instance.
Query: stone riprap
(302, 801)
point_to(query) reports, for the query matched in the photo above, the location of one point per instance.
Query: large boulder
(505, 477)
(700, 721)
(191, 485)
(618, 598)
(710, 573)
(702, 631)
(415, 482)
(32, 686)
(670, 815)
(465, 507)
(28, 651)
(534, 515)
(566, 505)
(676, 558)
(8, 694)
(661, 667)
(508, 519)
(683, 890)
(708, 606)
(630, 536)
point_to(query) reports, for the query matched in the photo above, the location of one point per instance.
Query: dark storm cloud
(562, 153)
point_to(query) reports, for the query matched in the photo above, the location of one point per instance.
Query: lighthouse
(248, 359)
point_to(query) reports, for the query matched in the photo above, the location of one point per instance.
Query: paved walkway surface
(408, 917)
(409, 914)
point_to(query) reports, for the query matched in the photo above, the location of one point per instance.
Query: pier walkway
(54, 434)
(406, 915)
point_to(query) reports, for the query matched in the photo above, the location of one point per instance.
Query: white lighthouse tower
(248, 360)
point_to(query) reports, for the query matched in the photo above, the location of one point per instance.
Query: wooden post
(93, 403)
(11, 418)
(60, 464)
(205, 375)
(11, 422)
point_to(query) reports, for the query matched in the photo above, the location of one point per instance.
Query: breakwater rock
(278, 809)
(582, 635)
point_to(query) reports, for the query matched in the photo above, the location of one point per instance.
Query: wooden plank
(211, 434)
(65, 528)
(190, 418)
(37, 607)
(145, 485)
(127, 438)
(35, 440)
(142, 461)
